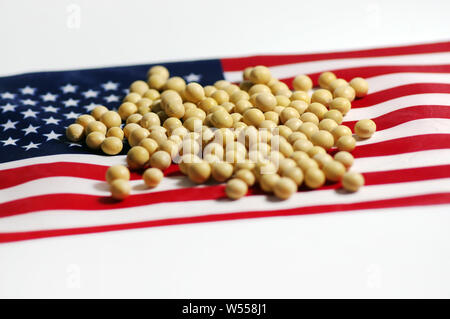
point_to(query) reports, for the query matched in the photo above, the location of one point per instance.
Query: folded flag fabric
(52, 187)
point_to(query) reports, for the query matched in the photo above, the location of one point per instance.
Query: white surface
(383, 253)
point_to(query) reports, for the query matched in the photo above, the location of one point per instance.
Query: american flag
(52, 187)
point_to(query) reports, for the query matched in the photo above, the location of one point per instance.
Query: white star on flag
(50, 109)
(75, 144)
(70, 102)
(9, 141)
(69, 88)
(90, 107)
(30, 146)
(27, 90)
(51, 120)
(126, 91)
(29, 113)
(110, 86)
(7, 95)
(49, 97)
(8, 107)
(90, 93)
(71, 115)
(111, 98)
(28, 102)
(9, 125)
(192, 77)
(52, 136)
(30, 129)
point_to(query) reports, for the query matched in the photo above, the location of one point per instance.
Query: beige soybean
(117, 172)
(284, 188)
(318, 109)
(334, 170)
(268, 181)
(127, 129)
(310, 117)
(322, 96)
(151, 94)
(316, 150)
(334, 115)
(302, 145)
(282, 100)
(75, 132)
(260, 75)
(96, 126)
(307, 164)
(314, 178)
(120, 189)
(293, 123)
(94, 140)
(85, 119)
(341, 104)
(346, 143)
(222, 119)
(137, 157)
(365, 128)
(139, 87)
(137, 135)
(360, 86)
(175, 83)
(341, 130)
(199, 172)
(170, 147)
(134, 118)
(253, 117)
(296, 136)
(194, 92)
(126, 109)
(336, 83)
(265, 102)
(112, 145)
(327, 124)
(345, 91)
(152, 177)
(322, 159)
(132, 97)
(289, 113)
(221, 96)
(300, 96)
(116, 132)
(295, 174)
(345, 158)
(236, 188)
(161, 160)
(302, 83)
(308, 128)
(149, 120)
(111, 119)
(98, 111)
(149, 144)
(221, 171)
(325, 79)
(159, 70)
(245, 175)
(352, 181)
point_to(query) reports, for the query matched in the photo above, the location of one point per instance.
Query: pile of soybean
(255, 132)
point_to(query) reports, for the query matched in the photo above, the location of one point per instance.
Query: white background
(379, 253)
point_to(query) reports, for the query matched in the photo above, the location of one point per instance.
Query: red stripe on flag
(407, 114)
(372, 71)
(400, 91)
(403, 145)
(92, 202)
(429, 199)
(237, 64)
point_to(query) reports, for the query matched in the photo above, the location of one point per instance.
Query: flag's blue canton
(36, 108)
